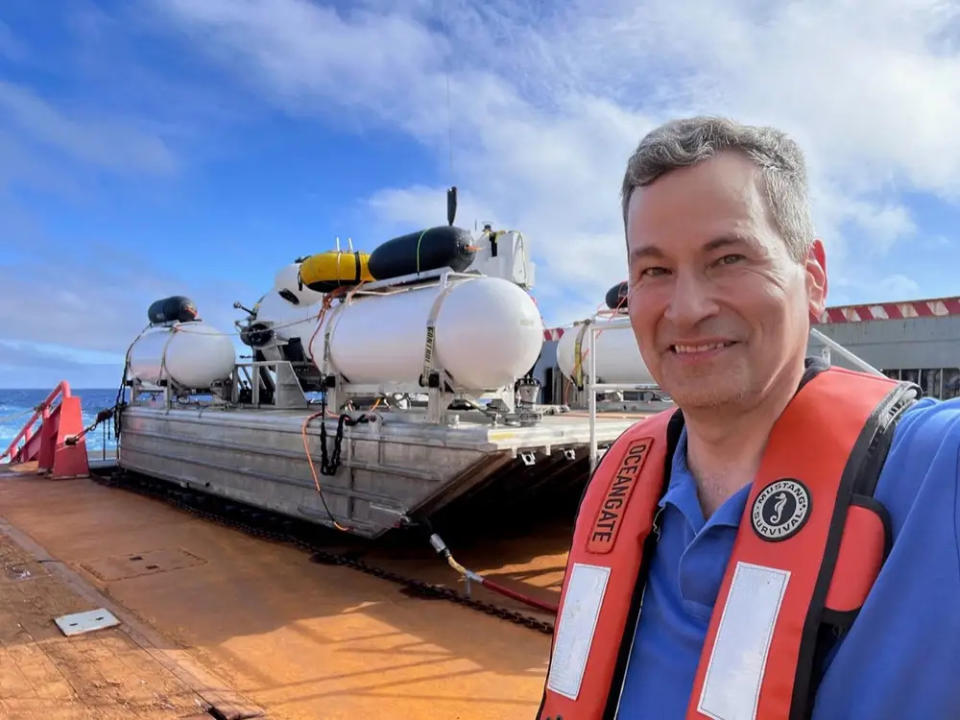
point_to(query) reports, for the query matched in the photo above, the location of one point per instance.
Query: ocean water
(16, 407)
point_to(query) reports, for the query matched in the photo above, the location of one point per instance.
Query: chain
(269, 525)
(330, 464)
(334, 464)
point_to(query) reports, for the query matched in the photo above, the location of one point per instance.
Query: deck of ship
(214, 617)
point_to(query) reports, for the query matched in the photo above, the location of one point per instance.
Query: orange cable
(327, 302)
(313, 469)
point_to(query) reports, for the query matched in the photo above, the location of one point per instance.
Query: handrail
(42, 411)
(593, 387)
(850, 357)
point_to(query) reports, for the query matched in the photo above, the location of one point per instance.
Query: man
(788, 544)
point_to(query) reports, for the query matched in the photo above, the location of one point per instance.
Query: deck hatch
(134, 564)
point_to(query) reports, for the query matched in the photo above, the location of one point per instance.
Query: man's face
(719, 307)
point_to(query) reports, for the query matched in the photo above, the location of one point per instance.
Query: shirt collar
(682, 490)
(682, 494)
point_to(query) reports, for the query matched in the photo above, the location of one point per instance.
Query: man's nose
(691, 301)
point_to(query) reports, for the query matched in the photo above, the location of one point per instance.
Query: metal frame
(830, 345)
(405, 283)
(592, 387)
(287, 391)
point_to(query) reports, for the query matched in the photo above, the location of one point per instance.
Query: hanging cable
(329, 463)
(320, 317)
(313, 469)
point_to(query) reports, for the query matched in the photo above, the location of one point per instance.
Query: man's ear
(816, 279)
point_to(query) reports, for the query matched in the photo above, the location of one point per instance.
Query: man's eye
(731, 259)
(653, 272)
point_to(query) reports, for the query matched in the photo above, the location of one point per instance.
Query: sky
(194, 147)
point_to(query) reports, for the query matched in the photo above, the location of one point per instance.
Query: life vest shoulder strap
(601, 589)
(810, 545)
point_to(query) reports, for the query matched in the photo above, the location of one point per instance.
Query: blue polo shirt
(901, 658)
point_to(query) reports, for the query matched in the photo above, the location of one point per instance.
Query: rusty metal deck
(253, 620)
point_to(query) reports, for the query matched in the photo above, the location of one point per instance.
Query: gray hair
(783, 174)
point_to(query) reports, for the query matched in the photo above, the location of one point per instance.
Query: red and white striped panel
(892, 311)
(552, 334)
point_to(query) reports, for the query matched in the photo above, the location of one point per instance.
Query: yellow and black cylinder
(328, 271)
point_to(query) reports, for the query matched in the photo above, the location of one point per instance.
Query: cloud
(102, 142)
(544, 102)
(530, 108)
(881, 222)
(877, 287)
(22, 165)
(418, 205)
(302, 52)
(65, 318)
(879, 86)
(42, 365)
(57, 295)
(17, 352)
(937, 243)
(885, 224)
(898, 286)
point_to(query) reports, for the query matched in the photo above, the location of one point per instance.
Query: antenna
(445, 28)
(451, 205)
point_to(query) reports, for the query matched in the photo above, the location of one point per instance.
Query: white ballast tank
(618, 357)
(192, 354)
(488, 334)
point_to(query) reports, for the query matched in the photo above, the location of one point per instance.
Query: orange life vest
(810, 544)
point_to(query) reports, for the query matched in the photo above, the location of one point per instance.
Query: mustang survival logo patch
(780, 509)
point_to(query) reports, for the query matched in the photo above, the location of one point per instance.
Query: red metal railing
(47, 444)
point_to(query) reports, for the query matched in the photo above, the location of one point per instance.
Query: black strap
(888, 415)
(356, 261)
(823, 630)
